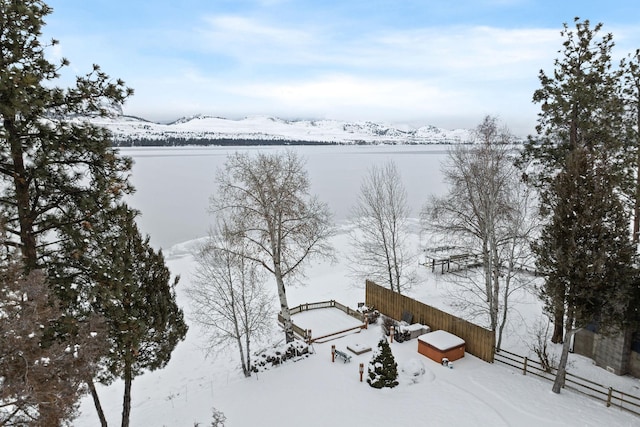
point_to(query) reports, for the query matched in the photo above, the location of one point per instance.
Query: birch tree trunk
(558, 383)
(284, 308)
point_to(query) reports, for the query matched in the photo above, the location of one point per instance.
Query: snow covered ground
(315, 392)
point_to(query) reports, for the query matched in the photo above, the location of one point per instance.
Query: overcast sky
(441, 62)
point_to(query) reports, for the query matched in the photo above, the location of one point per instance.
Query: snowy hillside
(129, 130)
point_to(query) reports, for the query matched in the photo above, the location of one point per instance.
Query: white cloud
(250, 40)
(452, 49)
(337, 96)
(344, 90)
(416, 74)
(335, 60)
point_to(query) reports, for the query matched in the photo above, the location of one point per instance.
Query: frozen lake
(174, 183)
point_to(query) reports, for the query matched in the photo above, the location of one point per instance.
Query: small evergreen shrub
(383, 369)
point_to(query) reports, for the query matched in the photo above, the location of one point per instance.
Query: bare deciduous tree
(228, 296)
(540, 335)
(380, 251)
(487, 212)
(266, 201)
(41, 376)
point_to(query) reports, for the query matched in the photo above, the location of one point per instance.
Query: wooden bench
(342, 355)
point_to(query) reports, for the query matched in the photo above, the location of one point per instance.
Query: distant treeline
(180, 142)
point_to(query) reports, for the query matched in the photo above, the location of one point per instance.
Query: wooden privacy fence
(479, 341)
(304, 334)
(609, 395)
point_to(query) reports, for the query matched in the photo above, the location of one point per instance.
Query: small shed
(440, 344)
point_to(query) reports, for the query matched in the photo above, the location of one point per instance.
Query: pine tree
(577, 162)
(383, 369)
(630, 67)
(54, 172)
(133, 290)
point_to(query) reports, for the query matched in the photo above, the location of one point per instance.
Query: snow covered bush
(279, 354)
(383, 369)
(414, 371)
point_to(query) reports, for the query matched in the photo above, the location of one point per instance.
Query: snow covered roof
(442, 340)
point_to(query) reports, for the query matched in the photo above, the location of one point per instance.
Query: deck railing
(304, 334)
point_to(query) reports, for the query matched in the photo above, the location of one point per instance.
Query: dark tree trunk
(558, 329)
(558, 317)
(23, 201)
(126, 402)
(636, 207)
(96, 402)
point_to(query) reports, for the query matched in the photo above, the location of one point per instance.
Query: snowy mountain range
(205, 130)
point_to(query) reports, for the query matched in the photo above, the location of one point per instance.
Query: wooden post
(366, 321)
(609, 396)
(333, 353)
(309, 336)
(524, 371)
(361, 369)
(391, 333)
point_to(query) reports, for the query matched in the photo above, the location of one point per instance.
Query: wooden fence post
(333, 353)
(609, 396)
(361, 370)
(524, 371)
(391, 332)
